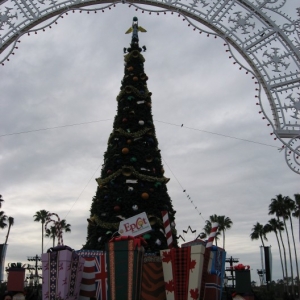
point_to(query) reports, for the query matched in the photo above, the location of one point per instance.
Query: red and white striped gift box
(94, 282)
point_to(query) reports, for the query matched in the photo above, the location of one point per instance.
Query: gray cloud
(71, 74)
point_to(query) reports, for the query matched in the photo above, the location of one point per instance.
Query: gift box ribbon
(15, 265)
(138, 241)
(241, 267)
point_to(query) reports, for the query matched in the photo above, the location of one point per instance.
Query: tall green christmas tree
(132, 178)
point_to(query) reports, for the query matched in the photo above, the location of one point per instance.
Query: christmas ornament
(130, 189)
(130, 68)
(141, 122)
(125, 150)
(158, 242)
(109, 171)
(172, 224)
(117, 208)
(133, 159)
(149, 158)
(135, 78)
(126, 172)
(99, 239)
(108, 232)
(162, 171)
(145, 196)
(157, 184)
(135, 207)
(128, 89)
(146, 236)
(152, 220)
(128, 141)
(124, 120)
(143, 76)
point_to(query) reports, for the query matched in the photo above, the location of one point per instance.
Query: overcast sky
(72, 74)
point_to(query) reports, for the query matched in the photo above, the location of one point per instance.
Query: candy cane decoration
(213, 232)
(57, 225)
(167, 227)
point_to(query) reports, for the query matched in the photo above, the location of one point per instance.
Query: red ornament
(117, 208)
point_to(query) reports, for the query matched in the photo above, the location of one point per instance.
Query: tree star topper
(135, 28)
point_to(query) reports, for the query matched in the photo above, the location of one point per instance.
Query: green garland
(129, 55)
(134, 91)
(106, 225)
(104, 181)
(130, 134)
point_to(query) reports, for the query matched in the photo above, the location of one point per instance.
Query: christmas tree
(132, 178)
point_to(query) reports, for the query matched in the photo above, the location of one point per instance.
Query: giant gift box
(16, 277)
(183, 272)
(94, 278)
(125, 260)
(62, 273)
(153, 285)
(216, 271)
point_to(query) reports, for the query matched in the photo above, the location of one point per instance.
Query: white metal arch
(267, 38)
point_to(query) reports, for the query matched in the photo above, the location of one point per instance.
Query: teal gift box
(125, 261)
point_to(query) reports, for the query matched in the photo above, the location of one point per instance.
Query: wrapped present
(16, 277)
(168, 273)
(153, 285)
(182, 269)
(94, 281)
(243, 280)
(62, 273)
(195, 271)
(125, 261)
(215, 276)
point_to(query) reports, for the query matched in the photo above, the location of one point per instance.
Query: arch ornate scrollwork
(266, 37)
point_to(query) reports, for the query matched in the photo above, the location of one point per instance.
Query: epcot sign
(267, 38)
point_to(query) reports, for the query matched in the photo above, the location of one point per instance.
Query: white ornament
(158, 242)
(135, 207)
(172, 224)
(130, 188)
(99, 239)
(141, 122)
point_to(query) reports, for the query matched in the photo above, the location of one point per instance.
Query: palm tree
(11, 221)
(224, 224)
(3, 219)
(292, 207)
(258, 232)
(51, 232)
(278, 207)
(41, 216)
(275, 225)
(1, 200)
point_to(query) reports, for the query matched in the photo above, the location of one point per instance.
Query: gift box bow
(17, 265)
(59, 248)
(241, 267)
(138, 241)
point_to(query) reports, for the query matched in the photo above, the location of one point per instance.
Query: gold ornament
(125, 150)
(145, 196)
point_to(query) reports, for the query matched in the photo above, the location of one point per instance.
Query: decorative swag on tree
(132, 178)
